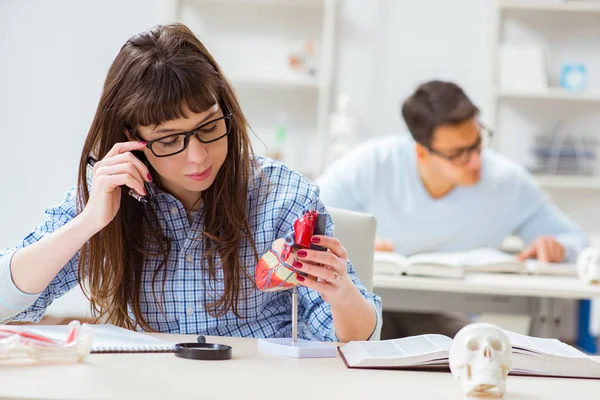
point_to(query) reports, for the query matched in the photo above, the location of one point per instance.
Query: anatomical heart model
(274, 270)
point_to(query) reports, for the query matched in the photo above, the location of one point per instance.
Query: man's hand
(545, 249)
(383, 245)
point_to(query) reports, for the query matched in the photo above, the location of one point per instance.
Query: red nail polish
(149, 177)
(300, 278)
(297, 264)
(315, 239)
(302, 253)
(141, 142)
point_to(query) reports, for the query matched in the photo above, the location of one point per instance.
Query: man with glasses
(440, 190)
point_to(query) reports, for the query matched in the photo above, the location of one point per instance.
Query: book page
(543, 268)
(449, 259)
(551, 347)
(389, 257)
(407, 347)
(481, 256)
(486, 256)
(423, 344)
(388, 263)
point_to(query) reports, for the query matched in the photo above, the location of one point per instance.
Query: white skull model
(588, 265)
(480, 359)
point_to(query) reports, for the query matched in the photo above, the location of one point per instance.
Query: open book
(107, 338)
(457, 264)
(530, 356)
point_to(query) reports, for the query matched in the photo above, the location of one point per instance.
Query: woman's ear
(130, 137)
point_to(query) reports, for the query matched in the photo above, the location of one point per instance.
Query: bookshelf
(552, 94)
(565, 31)
(549, 6)
(252, 40)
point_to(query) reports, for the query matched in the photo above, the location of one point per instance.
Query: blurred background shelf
(568, 181)
(551, 94)
(535, 5)
(540, 124)
(276, 83)
(269, 3)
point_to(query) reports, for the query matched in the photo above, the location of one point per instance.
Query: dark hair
(433, 104)
(155, 75)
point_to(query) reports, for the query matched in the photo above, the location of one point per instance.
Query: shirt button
(189, 258)
(174, 210)
(189, 311)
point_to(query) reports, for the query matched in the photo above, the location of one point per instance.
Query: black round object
(203, 351)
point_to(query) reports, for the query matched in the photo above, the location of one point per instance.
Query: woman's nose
(196, 151)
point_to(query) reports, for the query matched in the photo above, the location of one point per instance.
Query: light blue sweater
(380, 177)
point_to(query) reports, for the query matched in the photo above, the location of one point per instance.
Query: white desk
(424, 293)
(495, 284)
(250, 376)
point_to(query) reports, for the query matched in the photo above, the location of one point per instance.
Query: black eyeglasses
(208, 132)
(462, 156)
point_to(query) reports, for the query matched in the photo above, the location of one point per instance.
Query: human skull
(588, 265)
(480, 359)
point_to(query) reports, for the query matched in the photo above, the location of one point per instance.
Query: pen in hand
(92, 161)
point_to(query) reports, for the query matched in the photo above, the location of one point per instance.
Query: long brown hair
(154, 77)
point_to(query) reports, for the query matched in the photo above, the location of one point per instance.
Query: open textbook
(530, 356)
(457, 264)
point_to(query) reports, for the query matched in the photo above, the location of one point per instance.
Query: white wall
(388, 47)
(55, 56)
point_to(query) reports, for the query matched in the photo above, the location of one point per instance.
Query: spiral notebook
(108, 338)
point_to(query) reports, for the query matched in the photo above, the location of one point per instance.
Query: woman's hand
(354, 317)
(326, 269)
(119, 167)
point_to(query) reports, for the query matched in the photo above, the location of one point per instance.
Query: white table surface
(249, 375)
(494, 284)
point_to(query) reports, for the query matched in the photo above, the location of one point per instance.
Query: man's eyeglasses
(208, 132)
(462, 156)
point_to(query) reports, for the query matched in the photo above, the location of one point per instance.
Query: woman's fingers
(126, 158)
(124, 147)
(128, 169)
(324, 258)
(110, 182)
(330, 243)
(318, 271)
(319, 286)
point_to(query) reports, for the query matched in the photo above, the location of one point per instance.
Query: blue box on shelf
(574, 76)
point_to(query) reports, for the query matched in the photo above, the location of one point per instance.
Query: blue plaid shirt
(188, 287)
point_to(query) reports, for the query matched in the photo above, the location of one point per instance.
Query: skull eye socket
(497, 345)
(473, 345)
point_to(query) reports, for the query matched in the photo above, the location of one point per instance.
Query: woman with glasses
(173, 211)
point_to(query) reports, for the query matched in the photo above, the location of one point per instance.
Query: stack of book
(565, 155)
